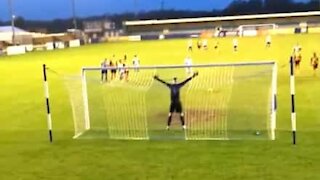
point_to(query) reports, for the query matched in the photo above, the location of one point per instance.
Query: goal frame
(274, 26)
(273, 105)
(253, 27)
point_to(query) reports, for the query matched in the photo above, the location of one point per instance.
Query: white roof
(6, 33)
(9, 29)
(224, 18)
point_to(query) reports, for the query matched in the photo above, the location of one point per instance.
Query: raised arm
(160, 80)
(187, 80)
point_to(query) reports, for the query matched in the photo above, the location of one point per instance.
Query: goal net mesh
(225, 101)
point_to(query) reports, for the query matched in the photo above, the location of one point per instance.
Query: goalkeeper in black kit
(175, 105)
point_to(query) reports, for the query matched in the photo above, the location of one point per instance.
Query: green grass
(26, 154)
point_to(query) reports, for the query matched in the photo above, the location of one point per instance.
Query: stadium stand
(287, 23)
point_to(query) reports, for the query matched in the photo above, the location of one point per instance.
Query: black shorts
(315, 66)
(113, 71)
(104, 71)
(297, 62)
(175, 107)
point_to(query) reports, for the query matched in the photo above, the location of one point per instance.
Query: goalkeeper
(175, 105)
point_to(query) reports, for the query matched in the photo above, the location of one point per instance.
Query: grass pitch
(26, 154)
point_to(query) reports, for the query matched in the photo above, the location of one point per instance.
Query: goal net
(225, 101)
(256, 29)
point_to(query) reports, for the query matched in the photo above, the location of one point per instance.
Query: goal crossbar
(248, 63)
(274, 26)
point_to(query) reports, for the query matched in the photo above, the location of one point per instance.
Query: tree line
(237, 7)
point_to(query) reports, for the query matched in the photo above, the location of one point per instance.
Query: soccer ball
(257, 133)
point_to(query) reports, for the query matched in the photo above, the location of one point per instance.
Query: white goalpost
(225, 101)
(85, 100)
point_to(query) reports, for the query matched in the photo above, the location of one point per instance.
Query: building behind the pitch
(99, 30)
(285, 23)
(14, 40)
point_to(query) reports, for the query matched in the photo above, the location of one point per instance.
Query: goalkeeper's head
(175, 80)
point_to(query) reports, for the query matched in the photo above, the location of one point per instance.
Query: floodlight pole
(74, 14)
(135, 4)
(12, 21)
(46, 90)
(162, 5)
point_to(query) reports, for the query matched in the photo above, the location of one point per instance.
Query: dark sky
(50, 9)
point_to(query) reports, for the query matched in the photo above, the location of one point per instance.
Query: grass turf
(26, 154)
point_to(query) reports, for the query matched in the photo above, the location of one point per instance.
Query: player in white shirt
(188, 62)
(104, 70)
(205, 44)
(235, 44)
(268, 41)
(296, 48)
(120, 69)
(136, 63)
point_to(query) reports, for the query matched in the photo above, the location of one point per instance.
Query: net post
(274, 101)
(292, 92)
(85, 99)
(46, 92)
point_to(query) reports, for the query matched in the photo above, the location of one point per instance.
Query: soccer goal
(255, 29)
(225, 101)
